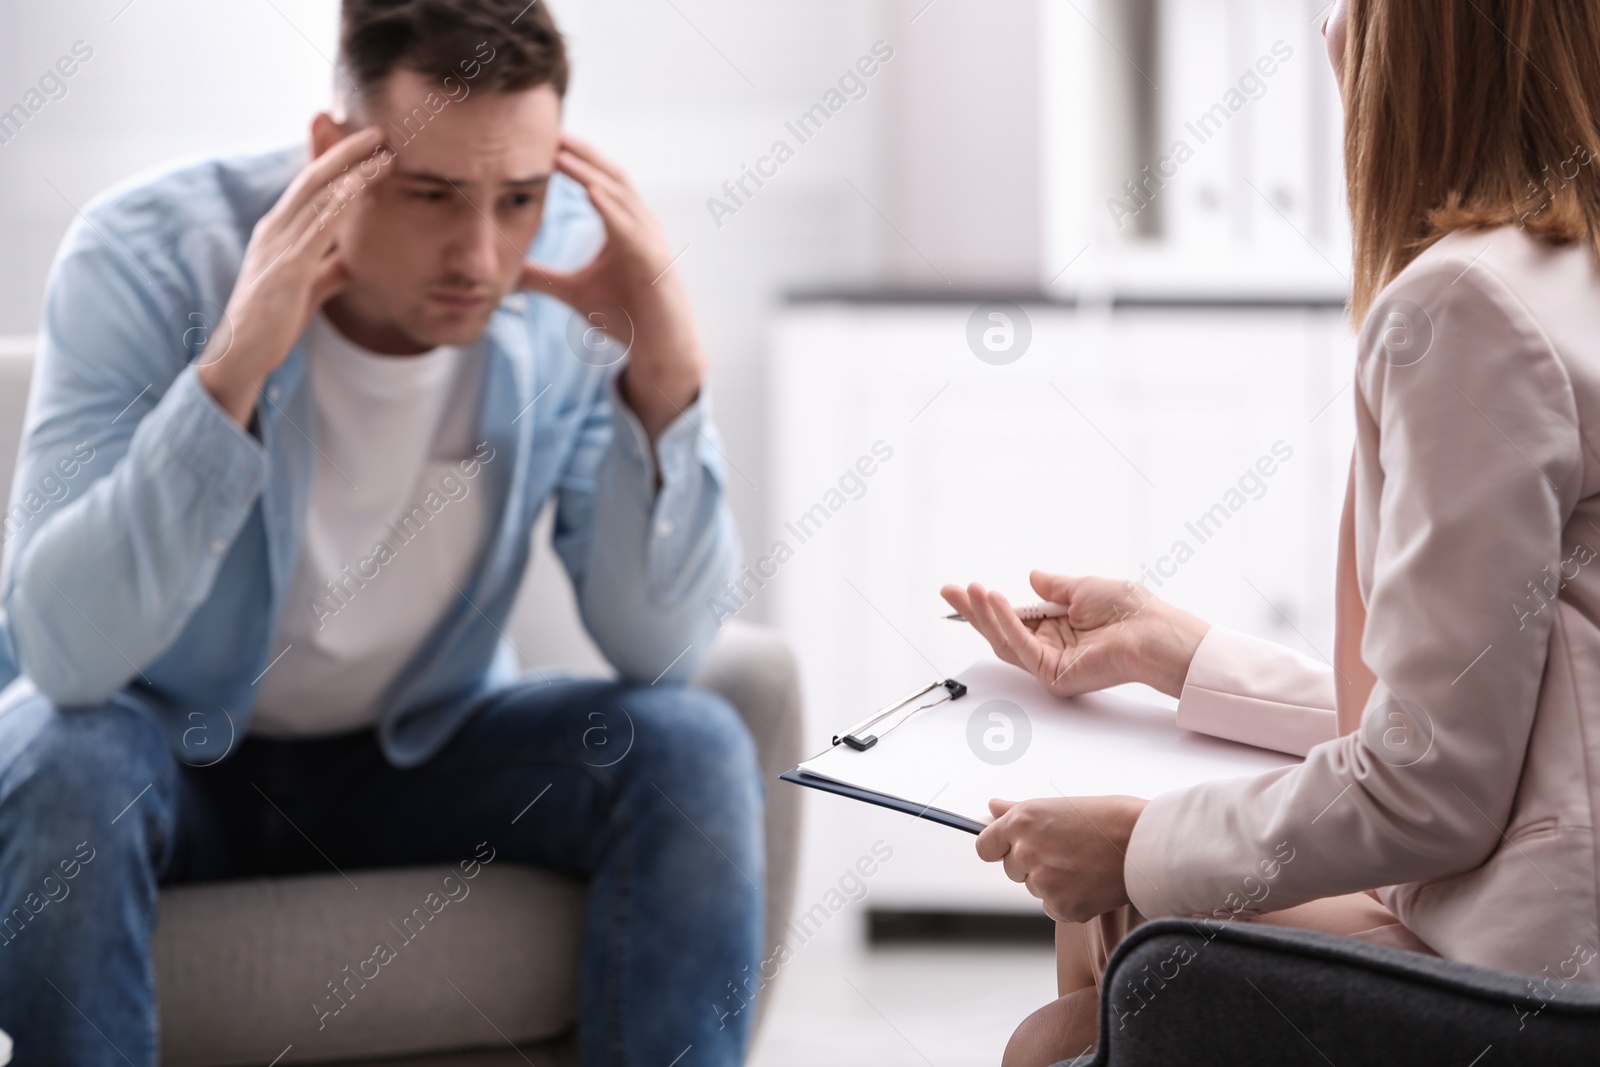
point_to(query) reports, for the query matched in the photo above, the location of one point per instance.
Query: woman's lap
(1083, 950)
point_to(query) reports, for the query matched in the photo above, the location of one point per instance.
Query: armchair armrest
(1203, 993)
(754, 670)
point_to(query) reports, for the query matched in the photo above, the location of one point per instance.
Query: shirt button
(664, 528)
(218, 545)
(273, 393)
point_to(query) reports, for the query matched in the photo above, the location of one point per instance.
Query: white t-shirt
(391, 523)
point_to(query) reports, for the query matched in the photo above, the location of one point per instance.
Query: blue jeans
(651, 794)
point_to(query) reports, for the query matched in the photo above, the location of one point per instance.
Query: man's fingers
(563, 285)
(619, 220)
(317, 230)
(331, 164)
(595, 158)
(332, 276)
(593, 179)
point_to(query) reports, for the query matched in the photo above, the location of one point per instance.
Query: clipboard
(925, 755)
(884, 800)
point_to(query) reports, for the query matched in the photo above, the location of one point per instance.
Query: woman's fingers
(956, 597)
(1054, 587)
(994, 843)
(982, 619)
(1023, 642)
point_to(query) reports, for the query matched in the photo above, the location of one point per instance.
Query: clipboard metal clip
(857, 738)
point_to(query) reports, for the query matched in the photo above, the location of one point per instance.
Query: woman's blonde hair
(1468, 113)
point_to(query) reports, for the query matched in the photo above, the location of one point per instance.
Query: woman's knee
(1066, 1027)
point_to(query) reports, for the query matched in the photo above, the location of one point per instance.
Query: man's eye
(518, 201)
(429, 196)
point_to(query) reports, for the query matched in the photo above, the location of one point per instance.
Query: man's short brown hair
(450, 39)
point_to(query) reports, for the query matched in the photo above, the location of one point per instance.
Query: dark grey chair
(1208, 994)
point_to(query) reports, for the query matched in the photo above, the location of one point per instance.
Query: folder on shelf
(994, 731)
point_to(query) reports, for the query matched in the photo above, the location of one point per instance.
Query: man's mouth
(460, 299)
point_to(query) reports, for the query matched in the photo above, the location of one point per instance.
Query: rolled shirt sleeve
(1472, 457)
(646, 562)
(98, 583)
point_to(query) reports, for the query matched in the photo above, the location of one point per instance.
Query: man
(306, 419)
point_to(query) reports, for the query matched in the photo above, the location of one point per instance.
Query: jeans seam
(619, 942)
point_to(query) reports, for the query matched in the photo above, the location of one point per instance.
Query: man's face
(436, 243)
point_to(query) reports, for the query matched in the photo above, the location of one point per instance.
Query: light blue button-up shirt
(151, 541)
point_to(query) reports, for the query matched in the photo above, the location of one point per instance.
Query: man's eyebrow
(430, 178)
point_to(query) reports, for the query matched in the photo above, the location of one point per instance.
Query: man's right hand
(291, 268)
(1113, 632)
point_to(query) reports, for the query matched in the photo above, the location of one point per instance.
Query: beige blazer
(1467, 791)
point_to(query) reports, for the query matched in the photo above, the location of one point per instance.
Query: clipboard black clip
(856, 737)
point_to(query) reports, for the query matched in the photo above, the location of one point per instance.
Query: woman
(1447, 798)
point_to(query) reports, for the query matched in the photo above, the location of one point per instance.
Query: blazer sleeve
(1473, 458)
(1245, 689)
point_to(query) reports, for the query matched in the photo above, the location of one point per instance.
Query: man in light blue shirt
(200, 561)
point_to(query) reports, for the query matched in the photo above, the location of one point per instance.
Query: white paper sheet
(1101, 744)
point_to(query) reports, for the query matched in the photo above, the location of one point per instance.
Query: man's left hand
(633, 272)
(1068, 851)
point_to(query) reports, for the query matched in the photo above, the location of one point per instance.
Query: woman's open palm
(1113, 632)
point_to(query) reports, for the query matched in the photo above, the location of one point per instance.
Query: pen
(1027, 612)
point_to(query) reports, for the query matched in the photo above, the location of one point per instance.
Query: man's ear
(326, 132)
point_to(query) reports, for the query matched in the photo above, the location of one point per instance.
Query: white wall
(963, 181)
(167, 78)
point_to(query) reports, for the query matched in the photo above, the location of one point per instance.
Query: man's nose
(476, 248)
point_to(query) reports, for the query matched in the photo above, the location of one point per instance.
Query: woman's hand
(1114, 632)
(1068, 851)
